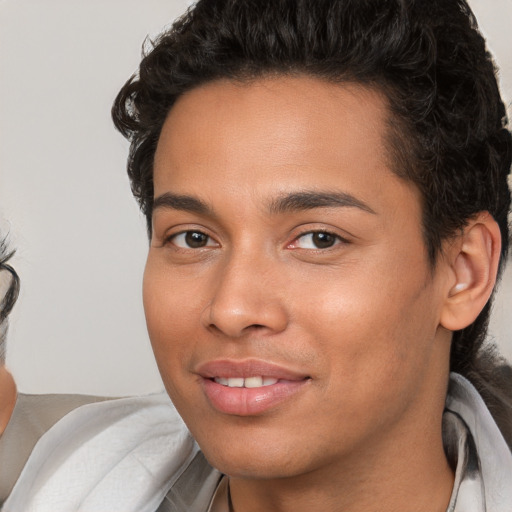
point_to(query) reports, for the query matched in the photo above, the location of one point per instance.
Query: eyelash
(330, 238)
(190, 232)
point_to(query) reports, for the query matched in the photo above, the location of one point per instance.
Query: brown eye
(195, 240)
(317, 240)
(192, 240)
(323, 240)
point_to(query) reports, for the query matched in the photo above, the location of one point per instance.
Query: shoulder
(122, 454)
(32, 417)
(40, 412)
(473, 434)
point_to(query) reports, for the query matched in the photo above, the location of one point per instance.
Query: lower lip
(250, 401)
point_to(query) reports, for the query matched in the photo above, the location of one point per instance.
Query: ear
(473, 258)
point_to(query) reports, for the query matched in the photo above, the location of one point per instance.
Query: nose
(247, 297)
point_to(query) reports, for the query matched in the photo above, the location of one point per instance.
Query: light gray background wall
(65, 200)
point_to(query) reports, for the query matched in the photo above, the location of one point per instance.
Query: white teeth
(236, 382)
(253, 382)
(248, 382)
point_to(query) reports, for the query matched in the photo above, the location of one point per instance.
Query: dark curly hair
(9, 297)
(448, 128)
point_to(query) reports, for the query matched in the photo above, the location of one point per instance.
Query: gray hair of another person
(9, 291)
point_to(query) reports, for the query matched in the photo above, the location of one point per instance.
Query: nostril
(254, 327)
(214, 328)
(245, 330)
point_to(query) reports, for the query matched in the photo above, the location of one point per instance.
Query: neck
(416, 476)
(7, 397)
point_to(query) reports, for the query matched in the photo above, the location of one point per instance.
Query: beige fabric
(115, 456)
(33, 415)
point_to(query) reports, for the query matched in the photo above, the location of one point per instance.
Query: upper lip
(247, 368)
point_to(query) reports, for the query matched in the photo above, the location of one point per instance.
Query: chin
(253, 469)
(263, 460)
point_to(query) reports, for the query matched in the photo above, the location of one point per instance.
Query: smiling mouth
(247, 382)
(250, 396)
(249, 387)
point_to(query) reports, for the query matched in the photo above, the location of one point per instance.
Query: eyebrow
(308, 200)
(181, 202)
(296, 201)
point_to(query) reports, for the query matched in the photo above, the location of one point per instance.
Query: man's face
(287, 258)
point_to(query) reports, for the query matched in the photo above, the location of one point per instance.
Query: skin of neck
(405, 470)
(7, 397)
(425, 485)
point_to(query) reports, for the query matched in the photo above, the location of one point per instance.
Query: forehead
(276, 134)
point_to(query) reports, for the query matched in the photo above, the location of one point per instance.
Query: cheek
(172, 309)
(170, 316)
(374, 363)
(372, 324)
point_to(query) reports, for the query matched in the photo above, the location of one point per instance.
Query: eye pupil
(195, 239)
(323, 240)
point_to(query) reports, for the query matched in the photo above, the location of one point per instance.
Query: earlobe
(474, 264)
